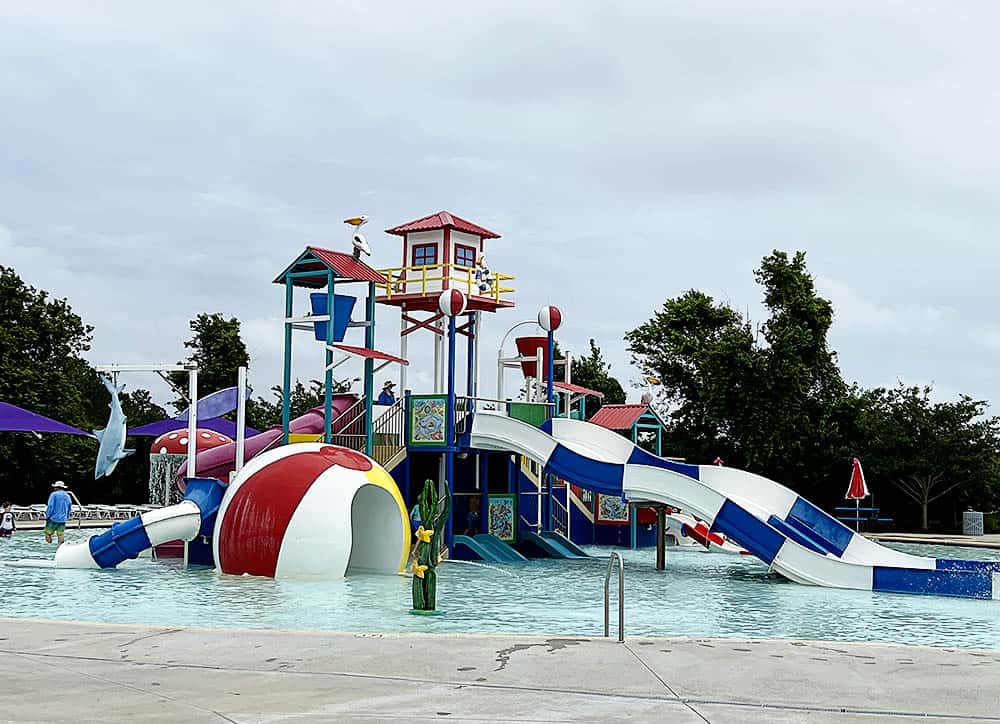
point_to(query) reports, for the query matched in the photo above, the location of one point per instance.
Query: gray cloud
(160, 162)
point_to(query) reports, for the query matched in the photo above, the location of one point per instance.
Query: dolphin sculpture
(111, 438)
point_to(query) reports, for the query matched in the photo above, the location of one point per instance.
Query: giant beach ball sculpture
(311, 510)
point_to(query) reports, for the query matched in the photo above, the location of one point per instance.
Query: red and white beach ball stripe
(549, 318)
(289, 513)
(452, 302)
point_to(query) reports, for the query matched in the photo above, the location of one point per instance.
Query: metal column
(328, 375)
(661, 538)
(286, 380)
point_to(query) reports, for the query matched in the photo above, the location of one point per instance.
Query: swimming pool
(700, 594)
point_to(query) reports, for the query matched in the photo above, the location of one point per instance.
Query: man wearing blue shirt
(57, 512)
(387, 397)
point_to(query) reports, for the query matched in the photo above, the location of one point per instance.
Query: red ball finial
(549, 318)
(452, 302)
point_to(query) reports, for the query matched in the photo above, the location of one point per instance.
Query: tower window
(425, 254)
(465, 256)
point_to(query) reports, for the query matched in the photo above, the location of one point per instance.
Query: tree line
(768, 397)
(42, 369)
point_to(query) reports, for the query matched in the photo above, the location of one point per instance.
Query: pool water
(700, 594)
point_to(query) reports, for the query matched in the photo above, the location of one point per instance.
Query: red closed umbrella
(857, 490)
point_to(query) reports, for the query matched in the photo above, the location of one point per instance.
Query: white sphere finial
(452, 302)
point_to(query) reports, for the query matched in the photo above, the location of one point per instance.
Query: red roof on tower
(443, 220)
(345, 266)
(618, 417)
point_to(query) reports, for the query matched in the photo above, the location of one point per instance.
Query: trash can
(972, 522)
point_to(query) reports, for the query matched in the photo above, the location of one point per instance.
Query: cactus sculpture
(434, 512)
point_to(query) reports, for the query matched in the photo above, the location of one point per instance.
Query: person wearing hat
(57, 512)
(387, 397)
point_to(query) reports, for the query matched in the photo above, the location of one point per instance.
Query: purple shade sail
(216, 424)
(17, 419)
(216, 404)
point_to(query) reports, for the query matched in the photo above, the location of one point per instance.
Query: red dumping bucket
(528, 347)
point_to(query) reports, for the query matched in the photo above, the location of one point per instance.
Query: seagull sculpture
(359, 242)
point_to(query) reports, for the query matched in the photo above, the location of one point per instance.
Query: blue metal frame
(286, 399)
(470, 373)
(449, 455)
(328, 375)
(550, 374)
(369, 367)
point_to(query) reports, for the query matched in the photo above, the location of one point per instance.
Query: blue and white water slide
(788, 533)
(193, 516)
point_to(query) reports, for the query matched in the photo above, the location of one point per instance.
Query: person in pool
(7, 526)
(57, 512)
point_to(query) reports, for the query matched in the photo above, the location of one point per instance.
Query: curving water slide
(217, 462)
(193, 516)
(790, 534)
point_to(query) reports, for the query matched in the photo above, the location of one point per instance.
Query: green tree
(793, 432)
(930, 451)
(41, 369)
(262, 413)
(41, 340)
(594, 373)
(703, 353)
(218, 350)
(774, 405)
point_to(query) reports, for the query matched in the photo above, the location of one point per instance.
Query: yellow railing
(428, 279)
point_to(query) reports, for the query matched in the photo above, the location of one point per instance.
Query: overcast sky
(161, 160)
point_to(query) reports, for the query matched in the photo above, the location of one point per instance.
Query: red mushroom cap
(176, 442)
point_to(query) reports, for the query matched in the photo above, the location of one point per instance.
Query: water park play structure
(329, 491)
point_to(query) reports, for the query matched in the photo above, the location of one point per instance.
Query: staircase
(388, 432)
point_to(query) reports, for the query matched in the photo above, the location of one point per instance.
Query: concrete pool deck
(86, 672)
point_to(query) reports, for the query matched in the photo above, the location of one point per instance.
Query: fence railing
(349, 427)
(429, 278)
(560, 517)
(389, 432)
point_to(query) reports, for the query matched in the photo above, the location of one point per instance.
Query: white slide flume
(792, 536)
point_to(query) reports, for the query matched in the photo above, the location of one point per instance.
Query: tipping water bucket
(343, 305)
(529, 347)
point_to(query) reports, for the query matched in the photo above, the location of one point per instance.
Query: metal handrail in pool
(621, 597)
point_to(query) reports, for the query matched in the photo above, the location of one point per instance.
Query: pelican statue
(358, 241)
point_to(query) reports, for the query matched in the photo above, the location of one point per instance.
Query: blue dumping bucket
(343, 305)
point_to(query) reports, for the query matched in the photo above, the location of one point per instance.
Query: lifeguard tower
(439, 252)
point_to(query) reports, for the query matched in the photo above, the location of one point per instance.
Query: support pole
(286, 378)
(661, 538)
(537, 396)
(403, 339)
(550, 368)
(500, 374)
(438, 361)
(484, 491)
(370, 368)
(192, 424)
(475, 355)
(470, 368)
(241, 417)
(328, 376)
(633, 527)
(449, 456)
